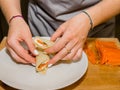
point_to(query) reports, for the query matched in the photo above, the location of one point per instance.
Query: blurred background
(24, 4)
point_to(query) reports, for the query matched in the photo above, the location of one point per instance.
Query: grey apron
(45, 16)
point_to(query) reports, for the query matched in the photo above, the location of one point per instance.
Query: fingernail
(50, 65)
(33, 64)
(36, 52)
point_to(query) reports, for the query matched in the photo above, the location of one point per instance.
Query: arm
(103, 11)
(74, 31)
(18, 32)
(10, 8)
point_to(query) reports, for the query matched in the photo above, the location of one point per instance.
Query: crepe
(42, 43)
(42, 58)
(42, 62)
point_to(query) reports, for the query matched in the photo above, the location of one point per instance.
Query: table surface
(97, 77)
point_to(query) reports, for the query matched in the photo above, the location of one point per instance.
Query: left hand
(72, 34)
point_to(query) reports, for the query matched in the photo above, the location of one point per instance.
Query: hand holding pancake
(72, 35)
(20, 33)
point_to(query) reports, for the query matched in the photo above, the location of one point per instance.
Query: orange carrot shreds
(109, 52)
(106, 44)
(41, 42)
(91, 52)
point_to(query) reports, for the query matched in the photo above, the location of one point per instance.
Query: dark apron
(45, 16)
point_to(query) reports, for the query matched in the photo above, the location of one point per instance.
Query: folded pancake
(42, 43)
(42, 62)
(42, 58)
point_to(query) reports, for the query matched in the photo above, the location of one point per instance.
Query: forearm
(103, 11)
(10, 8)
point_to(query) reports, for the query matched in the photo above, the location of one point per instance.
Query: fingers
(16, 57)
(57, 46)
(75, 48)
(21, 54)
(62, 52)
(17, 37)
(78, 55)
(58, 56)
(72, 53)
(72, 40)
(31, 46)
(58, 33)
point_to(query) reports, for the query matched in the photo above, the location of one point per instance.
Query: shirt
(45, 16)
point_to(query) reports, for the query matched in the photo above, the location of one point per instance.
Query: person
(72, 21)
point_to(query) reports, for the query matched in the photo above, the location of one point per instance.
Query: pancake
(42, 62)
(42, 58)
(42, 43)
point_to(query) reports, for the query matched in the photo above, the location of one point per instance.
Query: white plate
(25, 77)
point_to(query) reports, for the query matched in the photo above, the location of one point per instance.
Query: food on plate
(42, 62)
(42, 43)
(42, 58)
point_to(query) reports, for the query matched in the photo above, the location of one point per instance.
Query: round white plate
(25, 77)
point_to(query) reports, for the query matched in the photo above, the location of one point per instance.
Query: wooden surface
(97, 77)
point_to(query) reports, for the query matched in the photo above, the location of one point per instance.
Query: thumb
(31, 46)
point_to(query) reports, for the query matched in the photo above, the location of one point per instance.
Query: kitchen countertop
(97, 77)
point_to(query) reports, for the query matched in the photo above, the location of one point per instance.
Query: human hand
(72, 34)
(19, 33)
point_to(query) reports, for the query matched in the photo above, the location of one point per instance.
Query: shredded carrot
(110, 53)
(91, 52)
(42, 66)
(103, 52)
(41, 42)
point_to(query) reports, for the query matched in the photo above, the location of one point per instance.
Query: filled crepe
(42, 43)
(42, 62)
(42, 58)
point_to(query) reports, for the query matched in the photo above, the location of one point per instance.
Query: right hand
(20, 32)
